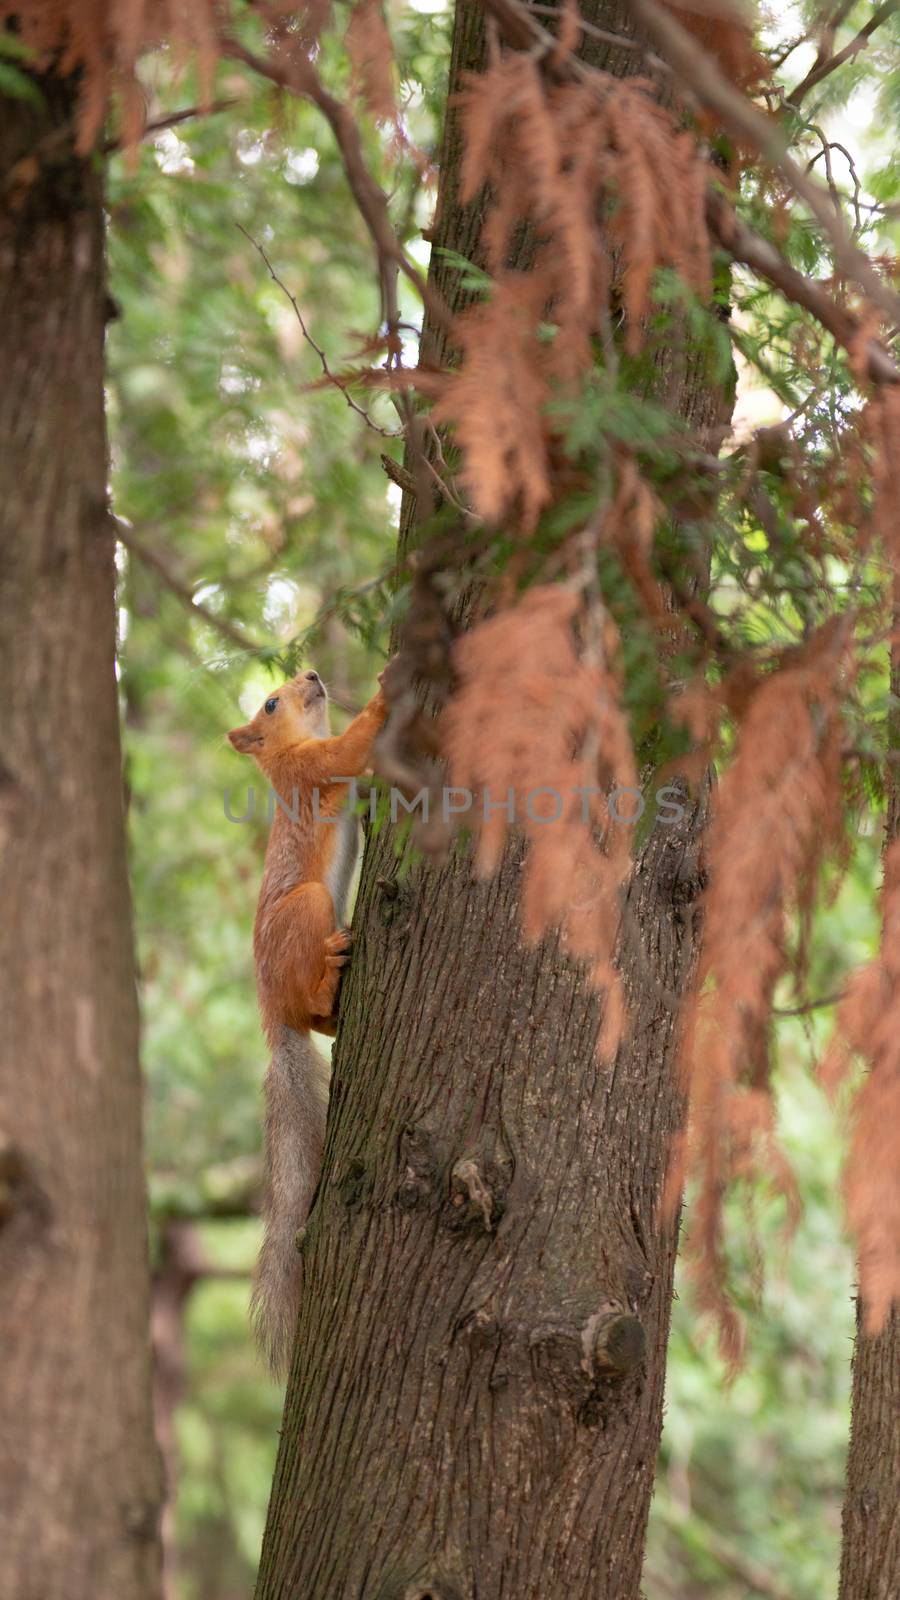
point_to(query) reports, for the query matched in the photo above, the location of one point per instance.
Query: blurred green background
(255, 511)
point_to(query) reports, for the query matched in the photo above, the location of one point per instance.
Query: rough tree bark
(870, 1551)
(475, 1403)
(80, 1483)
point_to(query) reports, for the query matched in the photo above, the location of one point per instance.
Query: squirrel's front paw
(388, 673)
(337, 947)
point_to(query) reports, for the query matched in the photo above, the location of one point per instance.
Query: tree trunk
(870, 1552)
(79, 1475)
(475, 1403)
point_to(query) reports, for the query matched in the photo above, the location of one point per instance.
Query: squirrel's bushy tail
(296, 1093)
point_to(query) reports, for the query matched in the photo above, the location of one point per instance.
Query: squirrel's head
(291, 714)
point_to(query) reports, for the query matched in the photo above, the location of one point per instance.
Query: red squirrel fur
(300, 947)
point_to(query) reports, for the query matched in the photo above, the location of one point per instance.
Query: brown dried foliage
(868, 1027)
(776, 815)
(726, 32)
(611, 191)
(584, 164)
(494, 401)
(535, 717)
(103, 42)
(372, 60)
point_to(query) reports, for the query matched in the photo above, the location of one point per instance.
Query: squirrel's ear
(243, 738)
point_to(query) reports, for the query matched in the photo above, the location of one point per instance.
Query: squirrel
(300, 947)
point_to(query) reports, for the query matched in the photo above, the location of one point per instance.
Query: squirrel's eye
(270, 706)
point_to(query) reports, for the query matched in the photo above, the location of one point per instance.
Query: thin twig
(826, 35)
(298, 74)
(55, 145)
(386, 433)
(827, 146)
(811, 1005)
(446, 483)
(778, 60)
(825, 154)
(604, 35)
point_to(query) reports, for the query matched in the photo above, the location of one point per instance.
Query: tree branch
(225, 1190)
(620, 40)
(55, 145)
(755, 252)
(110, 146)
(825, 65)
(152, 558)
(523, 32)
(299, 76)
(697, 68)
(230, 630)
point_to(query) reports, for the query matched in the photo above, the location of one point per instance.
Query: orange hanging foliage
(726, 32)
(103, 43)
(868, 1027)
(537, 725)
(538, 158)
(612, 191)
(588, 166)
(776, 815)
(372, 60)
(494, 401)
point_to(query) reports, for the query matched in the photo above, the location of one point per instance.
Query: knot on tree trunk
(477, 1195)
(394, 904)
(469, 1194)
(432, 1588)
(423, 1160)
(614, 1344)
(354, 1187)
(23, 1204)
(588, 1361)
(12, 804)
(584, 1358)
